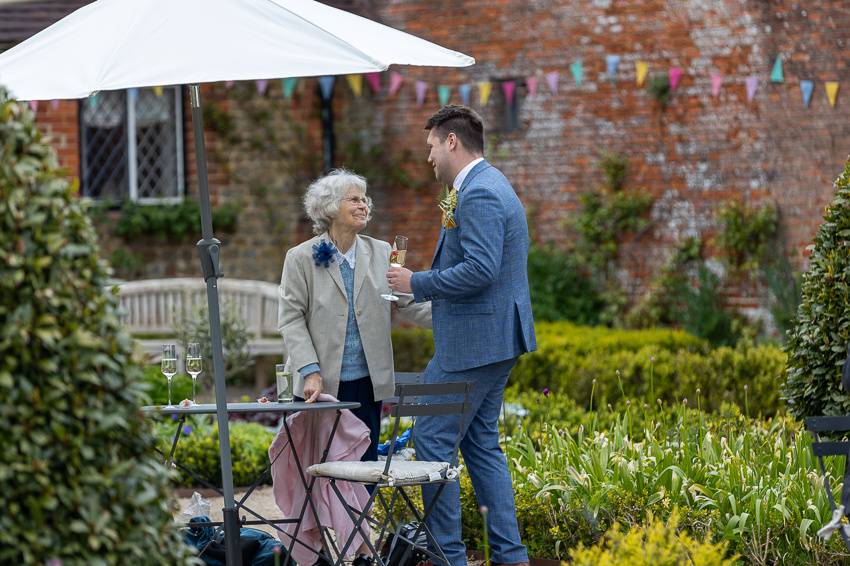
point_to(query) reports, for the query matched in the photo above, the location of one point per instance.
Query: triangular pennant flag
(395, 82)
(228, 84)
(288, 85)
(54, 104)
(509, 88)
(552, 79)
(752, 83)
(421, 92)
(484, 92)
(34, 105)
(262, 85)
(578, 71)
(374, 80)
(157, 90)
(93, 100)
(776, 75)
(464, 91)
(611, 64)
(531, 85)
(716, 82)
(806, 89)
(831, 91)
(132, 95)
(641, 70)
(675, 75)
(443, 94)
(326, 85)
(356, 84)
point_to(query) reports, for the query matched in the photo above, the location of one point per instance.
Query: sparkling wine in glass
(194, 364)
(169, 366)
(397, 256)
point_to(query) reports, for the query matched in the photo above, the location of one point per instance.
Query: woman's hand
(312, 387)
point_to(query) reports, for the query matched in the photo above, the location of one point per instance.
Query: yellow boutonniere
(448, 204)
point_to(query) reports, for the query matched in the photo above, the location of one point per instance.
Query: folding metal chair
(822, 448)
(394, 476)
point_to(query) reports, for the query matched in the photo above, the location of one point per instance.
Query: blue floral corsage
(323, 254)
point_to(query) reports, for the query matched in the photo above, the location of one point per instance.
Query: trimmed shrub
(817, 344)
(80, 480)
(560, 290)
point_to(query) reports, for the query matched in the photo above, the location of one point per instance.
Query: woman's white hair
(324, 195)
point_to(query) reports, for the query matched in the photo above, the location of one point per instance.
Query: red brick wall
(61, 126)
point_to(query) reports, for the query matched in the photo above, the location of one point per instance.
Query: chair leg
(423, 527)
(357, 522)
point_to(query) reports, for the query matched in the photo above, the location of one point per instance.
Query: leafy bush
(746, 233)
(412, 348)
(171, 221)
(817, 345)
(655, 544)
(559, 288)
(80, 482)
(156, 386)
(234, 337)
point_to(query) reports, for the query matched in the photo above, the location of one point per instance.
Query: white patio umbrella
(118, 44)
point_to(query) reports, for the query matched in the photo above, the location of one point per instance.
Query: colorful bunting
(674, 74)
(464, 91)
(806, 89)
(262, 85)
(93, 100)
(395, 82)
(552, 79)
(776, 75)
(578, 71)
(421, 92)
(54, 104)
(716, 82)
(531, 84)
(374, 80)
(34, 105)
(326, 86)
(831, 92)
(484, 92)
(228, 84)
(508, 88)
(641, 70)
(611, 64)
(356, 84)
(288, 85)
(752, 83)
(157, 90)
(444, 92)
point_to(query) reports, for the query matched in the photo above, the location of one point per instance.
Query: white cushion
(373, 472)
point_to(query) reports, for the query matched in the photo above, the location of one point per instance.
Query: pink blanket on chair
(310, 431)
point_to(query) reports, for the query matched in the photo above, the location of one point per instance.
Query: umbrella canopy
(116, 44)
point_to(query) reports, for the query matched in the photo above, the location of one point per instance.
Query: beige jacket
(313, 313)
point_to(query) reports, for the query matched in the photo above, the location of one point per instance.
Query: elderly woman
(335, 325)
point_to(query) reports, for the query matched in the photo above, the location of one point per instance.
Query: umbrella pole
(209, 250)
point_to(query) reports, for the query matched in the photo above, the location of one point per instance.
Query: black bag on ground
(414, 556)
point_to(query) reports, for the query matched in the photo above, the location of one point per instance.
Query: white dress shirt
(464, 172)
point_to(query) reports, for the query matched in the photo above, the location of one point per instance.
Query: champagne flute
(169, 366)
(397, 256)
(194, 364)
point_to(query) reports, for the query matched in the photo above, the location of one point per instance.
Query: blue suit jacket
(478, 282)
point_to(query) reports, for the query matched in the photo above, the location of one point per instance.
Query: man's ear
(451, 138)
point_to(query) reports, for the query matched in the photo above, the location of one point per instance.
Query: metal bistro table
(271, 407)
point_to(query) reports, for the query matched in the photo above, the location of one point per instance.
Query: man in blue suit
(481, 312)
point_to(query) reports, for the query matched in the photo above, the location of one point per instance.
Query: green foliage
(817, 345)
(746, 233)
(659, 89)
(560, 289)
(785, 287)
(655, 544)
(198, 450)
(412, 348)
(385, 170)
(156, 386)
(80, 481)
(168, 222)
(702, 311)
(234, 337)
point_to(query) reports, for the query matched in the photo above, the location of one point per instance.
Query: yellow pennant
(157, 90)
(356, 84)
(484, 92)
(641, 69)
(831, 91)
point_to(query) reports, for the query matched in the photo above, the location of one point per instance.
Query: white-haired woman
(335, 325)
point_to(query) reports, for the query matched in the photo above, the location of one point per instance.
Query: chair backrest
(837, 424)
(431, 399)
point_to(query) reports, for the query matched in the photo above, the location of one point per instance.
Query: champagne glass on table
(169, 366)
(194, 363)
(396, 260)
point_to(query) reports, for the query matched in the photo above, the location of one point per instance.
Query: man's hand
(312, 387)
(399, 279)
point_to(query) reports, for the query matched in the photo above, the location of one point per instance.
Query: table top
(270, 407)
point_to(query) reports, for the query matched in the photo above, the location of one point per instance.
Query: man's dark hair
(464, 122)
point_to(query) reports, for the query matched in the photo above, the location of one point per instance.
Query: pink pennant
(374, 80)
(675, 74)
(421, 90)
(54, 104)
(752, 85)
(228, 84)
(395, 82)
(552, 79)
(34, 105)
(531, 84)
(509, 87)
(716, 82)
(262, 85)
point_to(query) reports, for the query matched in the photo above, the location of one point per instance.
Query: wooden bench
(153, 307)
